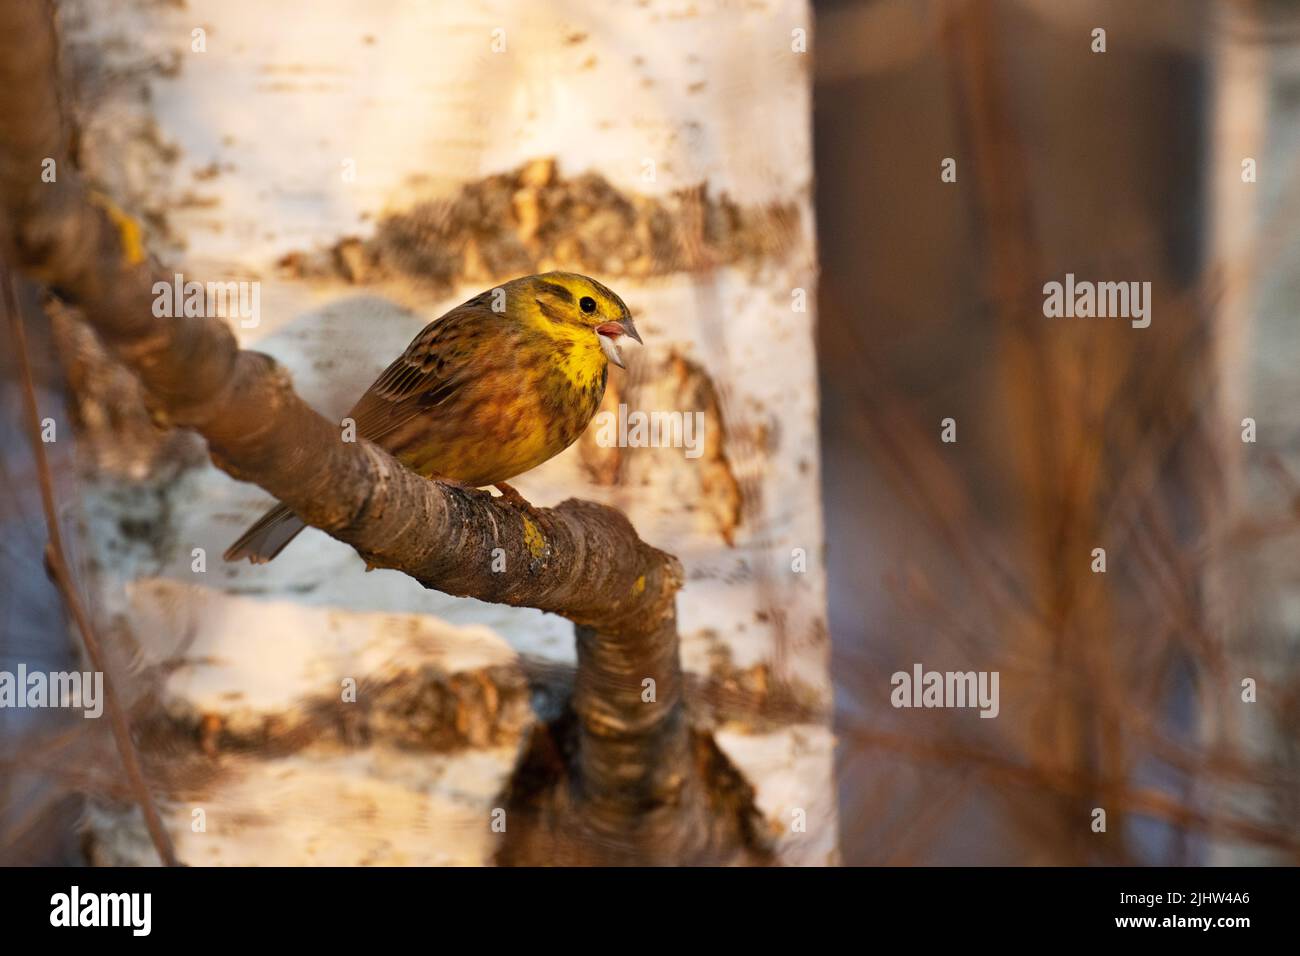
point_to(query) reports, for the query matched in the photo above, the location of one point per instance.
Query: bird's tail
(267, 538)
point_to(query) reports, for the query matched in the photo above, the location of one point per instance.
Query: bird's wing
(434, 367)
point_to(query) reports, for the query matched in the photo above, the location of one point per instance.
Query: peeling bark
(646, 788)
(532, 218)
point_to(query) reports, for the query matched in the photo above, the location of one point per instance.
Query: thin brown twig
(581, 560)
(58, 569)
(1119, 794)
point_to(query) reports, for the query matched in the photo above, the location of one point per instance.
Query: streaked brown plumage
(481, 395)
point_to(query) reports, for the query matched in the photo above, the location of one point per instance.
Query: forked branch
(584, 561)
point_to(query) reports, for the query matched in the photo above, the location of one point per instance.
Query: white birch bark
(1255, 188)
(281, 153)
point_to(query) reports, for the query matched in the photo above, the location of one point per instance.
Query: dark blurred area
(1119, 690)
(36, 816)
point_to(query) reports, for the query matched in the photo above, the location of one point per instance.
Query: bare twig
(631, 758)
(1064, 782)
(58, 566)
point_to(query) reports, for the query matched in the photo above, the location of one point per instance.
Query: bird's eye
(587, 304)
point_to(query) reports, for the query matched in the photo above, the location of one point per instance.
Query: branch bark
(628, 757)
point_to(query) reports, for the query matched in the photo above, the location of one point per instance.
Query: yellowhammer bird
(493, 388)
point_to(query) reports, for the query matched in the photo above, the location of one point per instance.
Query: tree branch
(581, 560)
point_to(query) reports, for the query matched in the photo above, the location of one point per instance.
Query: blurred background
(1119, 156)
(1121, 690)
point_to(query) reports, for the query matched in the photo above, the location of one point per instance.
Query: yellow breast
(524, 408)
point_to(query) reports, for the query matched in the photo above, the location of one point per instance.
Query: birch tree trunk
(370, 165)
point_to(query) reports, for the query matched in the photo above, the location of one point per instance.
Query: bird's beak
(631, 331)
(608, 332)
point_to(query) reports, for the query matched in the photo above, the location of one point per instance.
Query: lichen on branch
(636, 770)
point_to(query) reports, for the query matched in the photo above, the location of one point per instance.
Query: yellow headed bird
(493, 388)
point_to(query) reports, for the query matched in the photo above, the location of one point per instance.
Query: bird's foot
(515, 498)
